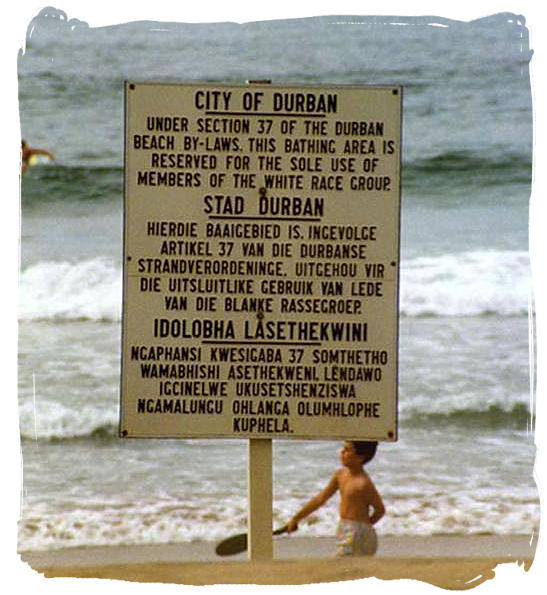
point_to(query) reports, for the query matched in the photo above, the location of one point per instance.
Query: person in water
(27, 152)
(361, 505)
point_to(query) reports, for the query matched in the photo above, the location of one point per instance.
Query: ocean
(463, 463)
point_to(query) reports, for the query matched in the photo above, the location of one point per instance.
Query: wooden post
(260, 496)
(259, 484)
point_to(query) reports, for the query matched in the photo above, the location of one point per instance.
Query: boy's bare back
(357, 496)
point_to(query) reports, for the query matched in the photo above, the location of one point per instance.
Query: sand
(450, 562)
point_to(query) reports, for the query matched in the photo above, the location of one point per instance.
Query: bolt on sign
(261, 261)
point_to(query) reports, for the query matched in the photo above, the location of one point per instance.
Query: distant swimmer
(28, 152)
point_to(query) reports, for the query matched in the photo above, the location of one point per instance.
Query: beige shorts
(354, 538)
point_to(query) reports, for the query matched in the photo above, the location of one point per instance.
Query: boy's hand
(292, 526)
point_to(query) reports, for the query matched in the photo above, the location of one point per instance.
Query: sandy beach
(450, 562)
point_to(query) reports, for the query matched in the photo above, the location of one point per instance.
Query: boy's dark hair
(364, 449)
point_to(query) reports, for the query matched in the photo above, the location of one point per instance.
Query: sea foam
(57, 291)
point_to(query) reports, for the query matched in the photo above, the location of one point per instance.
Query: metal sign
(261, 260)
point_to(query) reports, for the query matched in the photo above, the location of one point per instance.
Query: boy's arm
(377, 504)
(314, 503)
(37, 151)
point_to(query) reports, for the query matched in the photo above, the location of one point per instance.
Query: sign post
(260, 497)
(261, 266)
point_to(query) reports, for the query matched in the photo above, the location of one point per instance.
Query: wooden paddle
(238, 543)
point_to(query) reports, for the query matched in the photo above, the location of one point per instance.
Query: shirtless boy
(361, 506)
(27, 152)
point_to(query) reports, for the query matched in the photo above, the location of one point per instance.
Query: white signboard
(261, 259)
